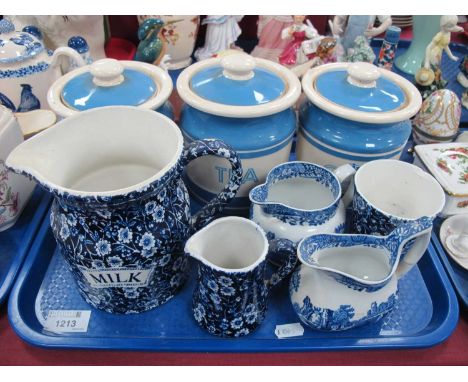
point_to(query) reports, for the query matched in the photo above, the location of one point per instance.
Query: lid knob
(363, 74)
(107, 72)
(238, 66)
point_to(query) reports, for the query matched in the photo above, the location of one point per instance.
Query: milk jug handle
(417, 235)
(345, 175)
(217, 148)
(286, 250)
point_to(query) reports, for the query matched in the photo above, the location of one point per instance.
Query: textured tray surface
(15, 241)
(426, 314)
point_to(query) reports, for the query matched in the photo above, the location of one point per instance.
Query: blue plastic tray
(449, 68)
(16, 241)
(426, 314)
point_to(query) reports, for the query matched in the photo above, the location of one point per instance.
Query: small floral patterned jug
(121, 212)
(230, 299)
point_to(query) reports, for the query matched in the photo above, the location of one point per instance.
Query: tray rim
(29, 335)
(44, 200)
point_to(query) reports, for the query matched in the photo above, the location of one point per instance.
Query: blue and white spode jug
(121, 213)
(248, 103)
(299, 199)
(346, 281)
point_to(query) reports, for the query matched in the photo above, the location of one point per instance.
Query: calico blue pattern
(143, 231)
(293, 216)
(233, 304)
(341, 318)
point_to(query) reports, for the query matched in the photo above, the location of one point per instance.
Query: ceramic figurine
(221, 34)
(324, 54)
(448, 163)
(297, 34)
(360, 51)
(424, 28)
(439, 118)
(371, 124)
(248, 103)
(27, 68)
(15, 190)
(152, 45)
(109, 82)
(299, 199)
(231, 295)
(180, 34)
(57, 30)
(433, 57)
(348, 28)
(462, 78)
(346, 281)
(389, 47)
(122, 224)
(270, 44)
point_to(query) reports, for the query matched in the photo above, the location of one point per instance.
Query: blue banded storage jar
(355, 113)
(247, 103)
(110, 82)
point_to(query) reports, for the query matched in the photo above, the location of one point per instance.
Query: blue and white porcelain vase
(121, 213)
(355, 113)
(299, 199)
(231, 295)
(248, 103)
(346, 281)
(109, 82)
(27, 68)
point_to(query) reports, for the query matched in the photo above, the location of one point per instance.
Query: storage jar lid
(361, 92)
(238, 85)
(447, 162)
(17, 46)
(110, 82)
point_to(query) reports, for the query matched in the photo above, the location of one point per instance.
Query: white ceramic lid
(17, 46)
(238, 86)
(110, 82)
(361, 92)
(448, 163)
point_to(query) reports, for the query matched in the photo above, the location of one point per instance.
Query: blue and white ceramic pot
(248, 103)
(231, 295)
(121, 213)
(299, 199)
(346, 281)
(109, 82)
(355, 113)
(27, 68)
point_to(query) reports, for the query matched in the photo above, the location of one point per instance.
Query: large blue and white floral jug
(121, 213)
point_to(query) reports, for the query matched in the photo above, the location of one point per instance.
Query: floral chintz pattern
(126, 251)
(233, 304)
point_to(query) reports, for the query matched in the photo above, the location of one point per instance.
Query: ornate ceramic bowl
(355, 113)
